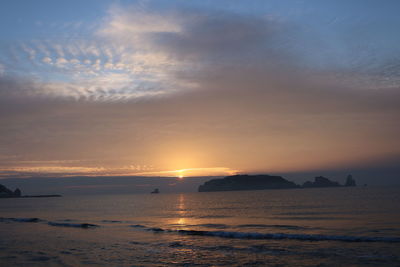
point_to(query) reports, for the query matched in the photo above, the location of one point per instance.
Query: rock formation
(17, 192)
(5, 192)
(350, 181)
(321, 181)
(155, 191)
(246, 182)
(261, 182)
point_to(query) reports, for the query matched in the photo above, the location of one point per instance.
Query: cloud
(141, 52)
(194, 89)
(60, 62)
(47, 60)
(137, 20)
(164, 52)
(153, 50)
(31, 52)
(201, 47)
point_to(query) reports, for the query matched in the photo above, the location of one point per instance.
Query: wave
(281, 226)
(213, 216)
(206, 225)
(225, 234)
(213, 225)
(64, 224)
(254, 248)
(138, 226)
(279, 236)
(311, 218)
(111, 221)
(20, 220)
(312, 213)
(77, 225)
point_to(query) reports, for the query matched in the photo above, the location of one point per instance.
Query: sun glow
(191, 172)
(180, 174)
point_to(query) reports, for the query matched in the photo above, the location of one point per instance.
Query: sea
(347, 226)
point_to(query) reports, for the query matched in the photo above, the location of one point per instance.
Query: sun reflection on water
(181, 222)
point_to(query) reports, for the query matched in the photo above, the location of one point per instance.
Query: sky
(197, 88)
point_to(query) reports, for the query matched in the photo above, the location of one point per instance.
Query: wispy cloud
(197, 87)
(139, 52)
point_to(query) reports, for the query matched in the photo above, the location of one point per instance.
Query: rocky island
(263, 181)
(350, 181)
(7, 193)
(247, 182)
(321, 181)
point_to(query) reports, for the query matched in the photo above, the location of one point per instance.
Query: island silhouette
(264, 181)
(155, 191)
(7, 193)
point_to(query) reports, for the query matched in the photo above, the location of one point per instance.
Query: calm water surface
(300, 227)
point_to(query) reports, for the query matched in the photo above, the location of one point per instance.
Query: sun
(180, 174)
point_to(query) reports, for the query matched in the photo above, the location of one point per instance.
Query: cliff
(246, 182)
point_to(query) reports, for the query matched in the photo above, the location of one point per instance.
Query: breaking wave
(282, 226)
(220, 233)
(137, 226)
(280, 236)
(111, 221)
(77, 225)
(62, 224)
(20, 220)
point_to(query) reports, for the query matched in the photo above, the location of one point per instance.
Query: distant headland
(7, 193)
(263, 181)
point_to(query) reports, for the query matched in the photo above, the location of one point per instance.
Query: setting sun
(180, 174)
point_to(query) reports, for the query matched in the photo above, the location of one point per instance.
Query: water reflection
(181, 222)
(181, 204)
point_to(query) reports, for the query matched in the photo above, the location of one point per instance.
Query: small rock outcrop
(321, 181)
(246, 182)
(17, 192)
(5, 192)
(350, 181)
(155, 191)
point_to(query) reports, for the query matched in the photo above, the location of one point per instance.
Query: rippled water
(298, 227)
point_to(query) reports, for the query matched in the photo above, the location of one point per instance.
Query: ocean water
(298, 227)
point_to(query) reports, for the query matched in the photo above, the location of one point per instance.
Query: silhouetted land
(263, 181)
(247, 182)
(155, 191)
(7, 193)
(321, 181)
